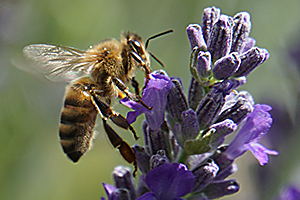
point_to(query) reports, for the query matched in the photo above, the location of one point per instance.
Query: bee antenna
(155, 36)
(156, 59)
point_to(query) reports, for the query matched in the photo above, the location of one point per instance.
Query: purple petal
(147, 196)
(261, 153)
(155, 96)
(256, 126)
(170, 181)
(138, 109)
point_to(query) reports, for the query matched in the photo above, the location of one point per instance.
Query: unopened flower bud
(250, 60)
(159, 140)
(122, 178)
(210, 16)
(238, 111)
(204, 174)
(226, 66)
(196, 93)
(221, 129)
(143, 158)
(210, 106)
(204, 64)
(249, 43)
(176, 101)
(189, 126)
(195, 36)
(241, 30)
(221, 188)
(219, 43)
(159, 159)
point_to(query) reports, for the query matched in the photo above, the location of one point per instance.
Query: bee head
(136, 50)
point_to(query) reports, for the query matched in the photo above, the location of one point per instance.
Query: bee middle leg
(135, 85)
(130, 95)
(107, 113)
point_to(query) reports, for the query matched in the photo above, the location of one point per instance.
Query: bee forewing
(58, 63)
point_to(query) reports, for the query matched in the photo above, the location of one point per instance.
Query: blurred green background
(32, 164)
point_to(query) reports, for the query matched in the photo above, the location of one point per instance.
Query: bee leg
(146, 67)
(135, 85)
(130, 95)
(125, 150)
(147, 80)
(107, 113)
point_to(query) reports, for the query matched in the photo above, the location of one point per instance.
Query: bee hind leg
(125, 150)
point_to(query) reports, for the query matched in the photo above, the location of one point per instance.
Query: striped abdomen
(77, 121)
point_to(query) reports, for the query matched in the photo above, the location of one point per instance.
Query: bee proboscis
(96, 76)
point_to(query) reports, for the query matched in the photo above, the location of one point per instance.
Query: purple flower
(155, 96)
(168, 182)
(289, 192)
(255, 127)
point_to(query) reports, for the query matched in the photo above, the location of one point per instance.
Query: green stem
(182, 157)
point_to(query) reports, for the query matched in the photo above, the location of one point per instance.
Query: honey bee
(96, 76)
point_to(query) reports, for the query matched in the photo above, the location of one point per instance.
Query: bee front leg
(146, 67)
(125, 150)
(121, 86)
(135, 85)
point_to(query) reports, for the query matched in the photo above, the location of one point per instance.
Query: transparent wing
(58, 63)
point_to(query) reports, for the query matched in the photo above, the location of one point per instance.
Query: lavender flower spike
(255, 127)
